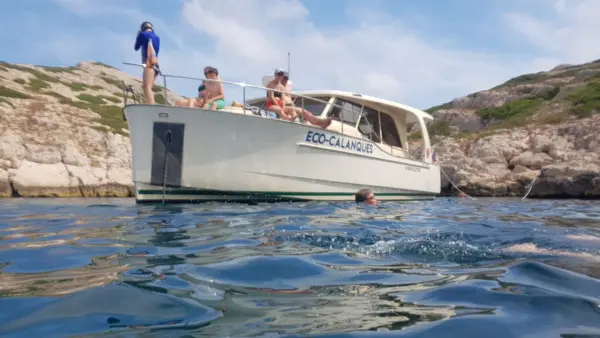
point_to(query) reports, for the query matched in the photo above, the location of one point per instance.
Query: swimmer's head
(365, 196)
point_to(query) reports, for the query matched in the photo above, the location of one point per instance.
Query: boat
(244, 153)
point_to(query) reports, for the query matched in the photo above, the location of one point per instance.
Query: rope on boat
(454, 185)
(531, 185)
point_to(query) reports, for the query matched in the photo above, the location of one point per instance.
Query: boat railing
(303, 100)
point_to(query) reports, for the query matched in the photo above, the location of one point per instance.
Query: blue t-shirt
(142, 41)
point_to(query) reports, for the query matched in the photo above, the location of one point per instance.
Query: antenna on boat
(289, 57)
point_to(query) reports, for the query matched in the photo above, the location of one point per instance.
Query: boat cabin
(380, 121)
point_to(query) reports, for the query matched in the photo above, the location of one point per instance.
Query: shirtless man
(291, 109)
(214, 93)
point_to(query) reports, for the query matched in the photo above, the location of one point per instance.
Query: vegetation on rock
(543, 98)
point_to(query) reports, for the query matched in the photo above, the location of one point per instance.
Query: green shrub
(160, 99)
(586, 100)
(59, 69)
(509, 109)
(91, 98)
(39, 75)
(20, 81)
(439, 128)
(56, 95)
(438, 107)
(110, 115)
(110, 98)
(526, 78)
(76, 86)
(113, 82)
(36, 84)
(7, 92)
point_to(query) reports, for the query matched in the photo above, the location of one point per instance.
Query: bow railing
(297, 101)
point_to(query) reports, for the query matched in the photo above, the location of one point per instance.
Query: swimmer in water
(365, 196)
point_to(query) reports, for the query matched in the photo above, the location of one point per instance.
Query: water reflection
(452, 267)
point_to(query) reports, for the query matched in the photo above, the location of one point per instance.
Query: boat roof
(368, 101)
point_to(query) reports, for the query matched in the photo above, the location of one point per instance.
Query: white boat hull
(226, 156)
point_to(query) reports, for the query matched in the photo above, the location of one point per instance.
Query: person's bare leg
(317, 121)
(281, 112)
(192, 102)
(147, 83)
(291, 113)
(199, 103)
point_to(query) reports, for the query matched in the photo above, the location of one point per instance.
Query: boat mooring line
(531, 185)
(473, 198)
(454, 185)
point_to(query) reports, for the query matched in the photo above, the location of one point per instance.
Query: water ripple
(451, 267)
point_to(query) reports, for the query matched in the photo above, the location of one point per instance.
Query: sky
(417, 52)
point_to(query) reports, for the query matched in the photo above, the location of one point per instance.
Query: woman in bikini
(275, 101)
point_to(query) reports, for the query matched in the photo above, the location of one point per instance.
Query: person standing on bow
(149, 43)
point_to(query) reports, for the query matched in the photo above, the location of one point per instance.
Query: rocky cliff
(539, 126)
(62, 131)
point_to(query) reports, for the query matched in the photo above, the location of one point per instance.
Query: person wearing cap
(149, 43)
(290, 109)
(275, 101)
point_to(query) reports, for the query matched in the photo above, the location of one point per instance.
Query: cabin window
(388, 130)
(315, 107)
(348, 113)
(369, 124)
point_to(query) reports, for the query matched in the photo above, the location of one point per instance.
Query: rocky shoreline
(62, 135)
(563, 159)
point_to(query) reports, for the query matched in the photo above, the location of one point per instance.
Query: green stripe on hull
(203, 192)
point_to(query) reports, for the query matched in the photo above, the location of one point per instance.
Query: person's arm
(270, 93)
(157, 45)
(138, 41)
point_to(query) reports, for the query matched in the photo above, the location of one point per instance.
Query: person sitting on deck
(194, 101)
(275, 98)
(149, 43)
(215, 93)
(291, 109)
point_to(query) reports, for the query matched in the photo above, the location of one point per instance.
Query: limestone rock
(58, 142)
(463, 120)
(556, 156)
(5, 188)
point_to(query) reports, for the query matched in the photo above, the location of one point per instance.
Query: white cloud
(571, 35)
(372, 52)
